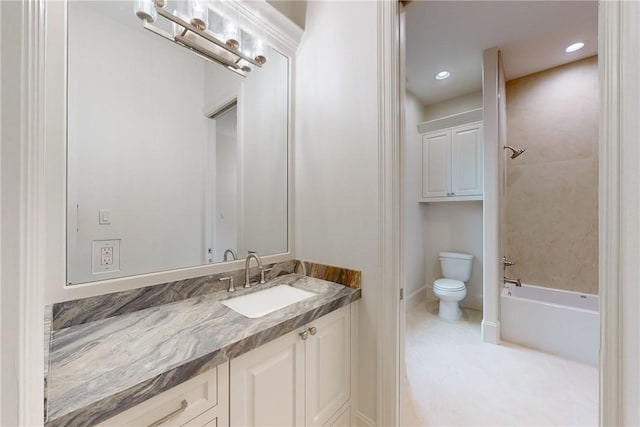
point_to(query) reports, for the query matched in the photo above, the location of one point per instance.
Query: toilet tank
(456, 265)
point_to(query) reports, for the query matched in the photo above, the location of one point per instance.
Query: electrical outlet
(106, 256)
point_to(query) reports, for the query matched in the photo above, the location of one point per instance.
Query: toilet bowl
(450, 290)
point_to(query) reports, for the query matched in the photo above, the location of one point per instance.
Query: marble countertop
(99, 369)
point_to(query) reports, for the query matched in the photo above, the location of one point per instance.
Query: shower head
(515, 152)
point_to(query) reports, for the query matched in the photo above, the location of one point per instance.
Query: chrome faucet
(516, 282)
(506, 263)
(234, 255)
(247, 279)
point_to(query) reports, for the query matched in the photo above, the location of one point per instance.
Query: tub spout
(516, 282)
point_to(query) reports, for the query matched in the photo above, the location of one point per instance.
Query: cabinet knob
(313, 330)
(304, 335)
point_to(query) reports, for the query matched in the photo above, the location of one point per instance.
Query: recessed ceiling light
(443, 75)
(574, 47)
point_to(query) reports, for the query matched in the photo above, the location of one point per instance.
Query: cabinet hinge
(401, 294)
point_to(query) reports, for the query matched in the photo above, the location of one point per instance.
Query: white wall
(459, 104)
(336, 209)
(144, 160)
(415, 214)
(10, 221)
(295, 10)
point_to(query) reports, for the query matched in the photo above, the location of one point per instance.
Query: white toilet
(456, 269)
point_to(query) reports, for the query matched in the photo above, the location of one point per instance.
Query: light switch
(104, 217)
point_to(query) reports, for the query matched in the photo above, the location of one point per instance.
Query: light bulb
(260, 51)
(182, 11)
(443, 75)
(231, 36)
(247, 41)
(145, 10)
(244, 66)
(216, 24)
(199, 14)
(574, 47)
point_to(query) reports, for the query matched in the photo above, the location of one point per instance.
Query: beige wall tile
(552, 189)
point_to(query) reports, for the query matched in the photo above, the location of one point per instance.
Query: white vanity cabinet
(301, 379)
(200, 401)
(452, 163)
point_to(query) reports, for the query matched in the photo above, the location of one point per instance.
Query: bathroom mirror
(172, 161)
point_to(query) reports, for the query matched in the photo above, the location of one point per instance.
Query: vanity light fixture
(207, 32)
(574, 47)
(444, 74)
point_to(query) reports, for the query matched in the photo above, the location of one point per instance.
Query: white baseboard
(415, 298)
(429, 295)
(491, 332)
(363, 420)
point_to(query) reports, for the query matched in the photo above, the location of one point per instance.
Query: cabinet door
(466, 160)
(328, 370)
(266, 386)
(436, 160)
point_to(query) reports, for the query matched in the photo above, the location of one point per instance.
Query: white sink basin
(257, 304)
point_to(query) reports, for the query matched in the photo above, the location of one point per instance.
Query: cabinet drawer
(181, 405)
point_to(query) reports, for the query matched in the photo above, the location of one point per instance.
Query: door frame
(619, 234)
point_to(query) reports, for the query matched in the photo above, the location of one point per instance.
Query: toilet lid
(448, 285)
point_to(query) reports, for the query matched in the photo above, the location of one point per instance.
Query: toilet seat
(448, 285)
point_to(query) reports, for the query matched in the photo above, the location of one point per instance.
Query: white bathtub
(560, 322)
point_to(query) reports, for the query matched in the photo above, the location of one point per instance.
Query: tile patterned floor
(453, 379)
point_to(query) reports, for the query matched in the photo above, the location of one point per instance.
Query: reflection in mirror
(226, 194)
(172, 160)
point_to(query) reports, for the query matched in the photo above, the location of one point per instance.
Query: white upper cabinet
(436, 164)
(466, 160)
(452, 164)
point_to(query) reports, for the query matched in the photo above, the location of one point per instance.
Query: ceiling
(451, 35)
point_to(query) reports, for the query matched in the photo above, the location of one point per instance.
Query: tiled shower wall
(552, 189)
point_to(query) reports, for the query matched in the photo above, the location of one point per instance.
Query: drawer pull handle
(181, 409)
(304, 335)
(313, 330)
